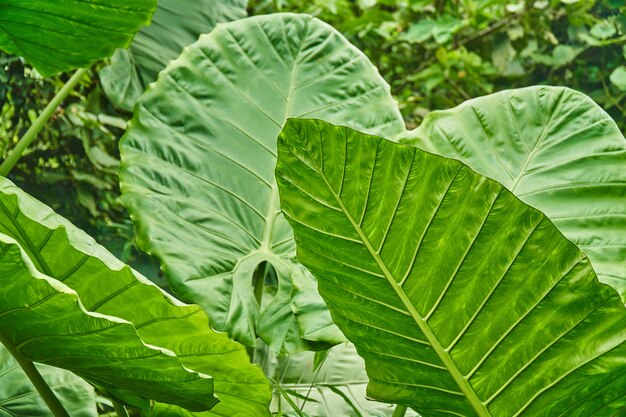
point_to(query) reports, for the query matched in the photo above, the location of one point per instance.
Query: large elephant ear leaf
(199, 181)
(462, 299)
(557, 151)
(176, 24)
(19, 398)
(69, 303)
(57, 36)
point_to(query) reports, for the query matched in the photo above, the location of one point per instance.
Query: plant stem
(258, 279)
(400, 411)
(40, 123)
(37, 380)
(120, 410)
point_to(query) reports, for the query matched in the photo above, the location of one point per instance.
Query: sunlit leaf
(461, 299)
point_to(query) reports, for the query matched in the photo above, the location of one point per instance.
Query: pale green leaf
(604, 29)
(69, 303)
(618, 78)
(57, 36)
(199, 180)
(461, 299)
(176, 24)
(19, 398)
(557, 151)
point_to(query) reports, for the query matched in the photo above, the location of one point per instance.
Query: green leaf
(66, 34)
(176, 24)
(19, 398)
(461, 299)
(618, 77)
(604, 29)
(335, 388)
(199, 181)
(441, 30)
(557, 151)
(69, 303)
(564, 54)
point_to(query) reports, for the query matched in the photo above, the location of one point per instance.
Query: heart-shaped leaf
(461, 299)
(199, 181)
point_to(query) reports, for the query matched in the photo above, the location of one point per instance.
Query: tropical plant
(176, 24)
(438, 54)
(461, 299)
(213, 224)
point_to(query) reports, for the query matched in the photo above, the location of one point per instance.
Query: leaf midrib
(442, 353)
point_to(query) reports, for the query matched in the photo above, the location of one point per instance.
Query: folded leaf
(71, 304)
(19, 398)
(57, 36)
(199, 181)
(176, 24)
(461, 299)
(557, 151)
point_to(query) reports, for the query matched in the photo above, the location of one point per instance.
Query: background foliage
(435, 55)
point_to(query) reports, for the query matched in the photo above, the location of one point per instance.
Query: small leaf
(604, 29)
(618, 77)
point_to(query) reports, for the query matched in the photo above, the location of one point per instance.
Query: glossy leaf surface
(57, 36)
(176, 24)
(19, 398)
(199, 180)
(461, 299)
(69, 303)
(557, 151)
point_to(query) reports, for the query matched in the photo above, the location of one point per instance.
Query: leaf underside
(66, 34)
(333, 387)
(199, 182)
(461, 299)
(69, 303)
(557, 151)
(19, 398)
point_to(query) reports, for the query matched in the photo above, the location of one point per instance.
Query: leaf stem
(400, 411)
(40, 123)
(37, 380)
(120, 410)
(258, 280)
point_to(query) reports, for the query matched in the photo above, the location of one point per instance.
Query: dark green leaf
(57, 36)
(176, 24)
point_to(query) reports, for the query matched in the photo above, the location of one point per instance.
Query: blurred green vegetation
(72, 167)
(434, 54)
(437, 54)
